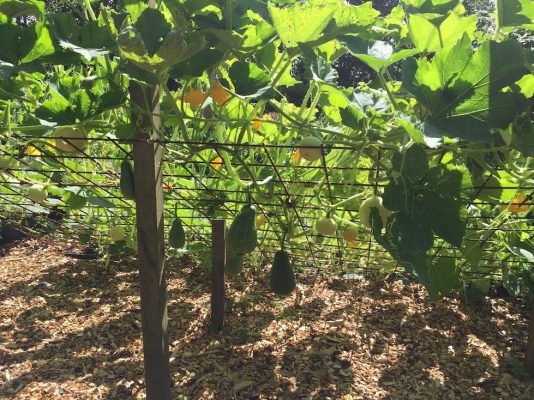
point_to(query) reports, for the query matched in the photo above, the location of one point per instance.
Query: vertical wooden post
(529, 353)
(218, 257)
(147, 156)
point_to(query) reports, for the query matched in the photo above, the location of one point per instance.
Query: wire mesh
(197, 190)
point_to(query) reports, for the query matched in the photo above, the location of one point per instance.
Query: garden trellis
(193, 96)
(192, 197)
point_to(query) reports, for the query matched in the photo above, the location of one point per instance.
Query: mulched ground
(69, 329)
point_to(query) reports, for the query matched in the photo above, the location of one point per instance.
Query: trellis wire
(186, 199)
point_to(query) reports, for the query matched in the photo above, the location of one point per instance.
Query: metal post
(218, 256)
(147, 156)
(529, 353)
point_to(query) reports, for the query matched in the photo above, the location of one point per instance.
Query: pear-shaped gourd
(365, 211)
(177, 234)
(282, 277)
(234, 264)
(326, 226)
(38, 193)
(70, 139)
(117, 234)
(242, 236)
(127, 180)
(310, 148)
(350, 233)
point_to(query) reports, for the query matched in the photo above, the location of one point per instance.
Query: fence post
(529, 353)
(218, 256)
(147, 156)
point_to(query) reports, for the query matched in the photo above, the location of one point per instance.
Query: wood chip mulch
(70, 329)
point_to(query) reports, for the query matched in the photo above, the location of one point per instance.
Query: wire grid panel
(289, 192)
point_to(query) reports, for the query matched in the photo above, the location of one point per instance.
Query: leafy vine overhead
(425, 164)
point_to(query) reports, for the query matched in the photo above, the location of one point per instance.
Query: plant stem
(388, 91)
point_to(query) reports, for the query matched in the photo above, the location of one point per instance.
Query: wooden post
(147, 156)
(529, 353)
(218, 257)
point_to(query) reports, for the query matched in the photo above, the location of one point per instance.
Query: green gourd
(177, 234)
(242, 236)
(127, 180)
(233, 265)
(282, 277)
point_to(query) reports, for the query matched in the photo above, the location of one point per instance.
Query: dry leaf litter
(70, 329)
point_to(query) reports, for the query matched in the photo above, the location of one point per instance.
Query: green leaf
(428, 34)
(196, 65)
(352, 117)
(224, 39)
(526, 85)
(434, 198)
(100, 202)
(319, 70)
(18, 8)
(17, 42)
(249, 80)
(153, 28)
(124, 131)
(415, 134)
(430, 6)
(523, 138)
(90, 40)
(444, 202)
(412, 165)
(517, 14)
(472, 252)
(41, 48)
(353, 19)
(444, 277)
(414, 234)
(414, 259)
(314, 15)
(74, 198)
(55, 109)
(134, 8)
(462, 90)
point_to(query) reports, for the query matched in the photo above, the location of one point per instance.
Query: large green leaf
(430, 6)
(413, 258)
(153, 28)
(249, 80)
(462, 89)
(18, 8)
(412, 166)
(196, 65)
(302, 22)
(56, 109)
(444, 202)
(24, 44)
(318, 69)
(516, 14)
(444, 277)
(89, 40)
(349, 19)
(433, 198)
(429, 35)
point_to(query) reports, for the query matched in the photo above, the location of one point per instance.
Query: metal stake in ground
(529, 354)
(218, 257)
(148, 185)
